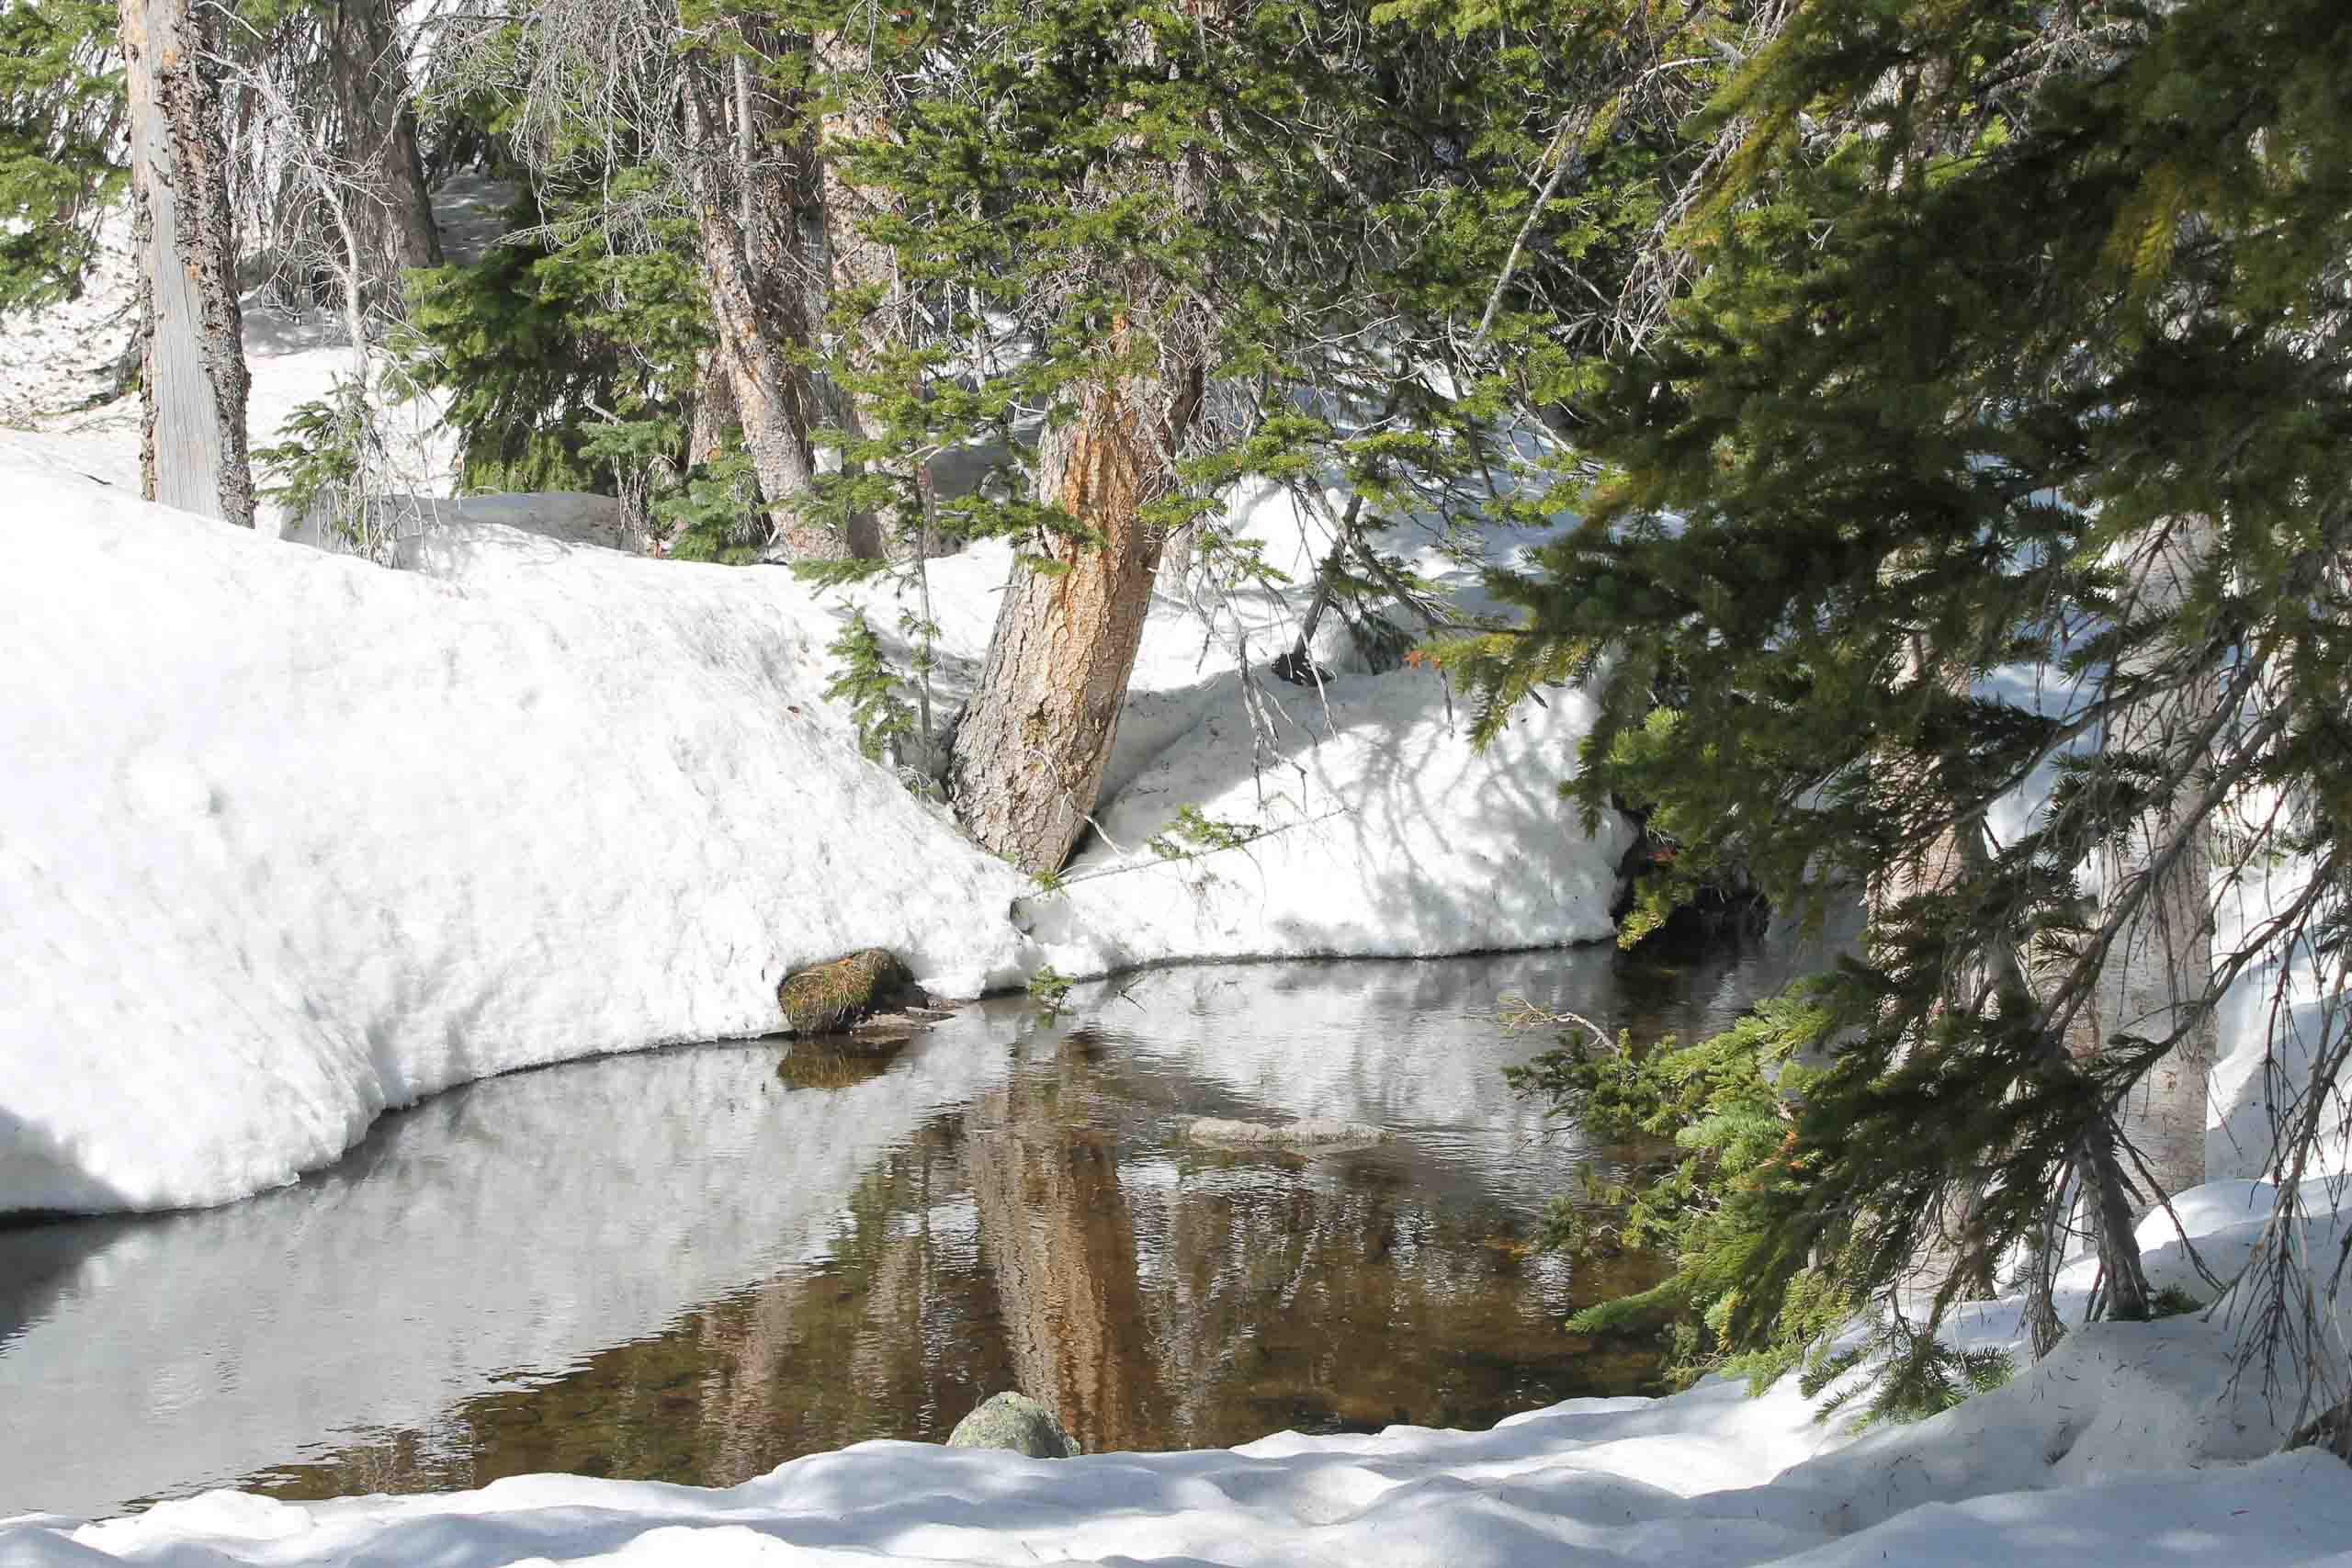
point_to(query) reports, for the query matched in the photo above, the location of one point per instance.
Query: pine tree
(1994, 305)
(61, 114)
(1203, 239)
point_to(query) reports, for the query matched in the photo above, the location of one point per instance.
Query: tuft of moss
(829, 998)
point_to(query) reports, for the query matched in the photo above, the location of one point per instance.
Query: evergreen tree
(1210, 245)
(60, 93)
(571, 352)
(1999, 443)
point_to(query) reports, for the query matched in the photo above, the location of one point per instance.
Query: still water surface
(694, 1264)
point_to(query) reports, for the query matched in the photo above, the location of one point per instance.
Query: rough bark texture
(1030, 752)
(714, 412)
(748, 222)
(192, 426)
(367, 64)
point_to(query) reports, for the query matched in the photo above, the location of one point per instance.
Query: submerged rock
(835, 995)
(1017, 1422)
(1307, 1135)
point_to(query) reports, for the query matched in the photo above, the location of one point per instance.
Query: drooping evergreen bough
(1980, 520)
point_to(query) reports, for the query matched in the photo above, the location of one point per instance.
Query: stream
(696, 1263)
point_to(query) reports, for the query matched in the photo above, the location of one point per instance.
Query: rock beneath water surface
(1017, 1422)
(1307, 1135)
(841, 993)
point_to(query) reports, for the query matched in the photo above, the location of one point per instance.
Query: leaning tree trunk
(1031, 748)
(368, 68)
(192, 355)
(747, 223)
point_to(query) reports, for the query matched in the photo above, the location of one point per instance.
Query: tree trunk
(854, 262)
(2153, 980)
(1030, 750)
(756, 296)
(2150, 986)
(714, 411)
(368, 64)
(1953, 1256)
(192, 426)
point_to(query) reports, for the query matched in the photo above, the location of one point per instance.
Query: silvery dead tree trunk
(1030, 750)
(193, 376)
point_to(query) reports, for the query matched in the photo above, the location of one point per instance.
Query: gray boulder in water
(1017, 1422)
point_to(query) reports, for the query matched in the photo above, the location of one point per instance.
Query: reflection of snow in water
(495, 1233)
(1415, 1046)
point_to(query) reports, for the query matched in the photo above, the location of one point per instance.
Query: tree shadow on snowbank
(1367, 824)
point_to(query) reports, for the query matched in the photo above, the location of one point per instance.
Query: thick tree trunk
(192, 429)
(747, 221)
(1955, 856)
(368, 66)
(2149, 986)
(1030, 750)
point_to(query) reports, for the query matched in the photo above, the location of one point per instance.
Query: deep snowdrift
(290, 839)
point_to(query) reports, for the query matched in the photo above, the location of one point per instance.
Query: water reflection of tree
(1055, 1231)
(889, 1336)
(1158, 1299)
(1274, 1290)
(1338, 1293)
(892, 1333)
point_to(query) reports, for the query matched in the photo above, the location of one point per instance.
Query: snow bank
(2127, 1447)
(2113, 1399)
(1379, 831)
(291, 838)
(2273, 1024)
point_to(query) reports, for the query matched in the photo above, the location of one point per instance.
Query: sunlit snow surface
(290, 839)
